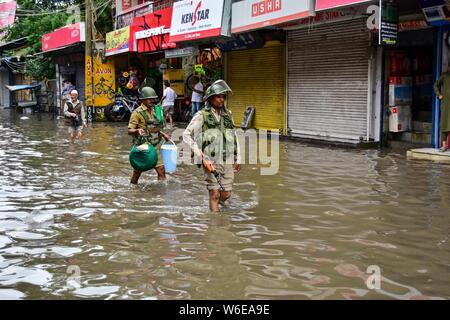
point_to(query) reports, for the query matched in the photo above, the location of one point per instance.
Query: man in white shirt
(168, 102)
(197, 96)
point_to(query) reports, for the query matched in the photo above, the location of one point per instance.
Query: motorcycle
(121, 109)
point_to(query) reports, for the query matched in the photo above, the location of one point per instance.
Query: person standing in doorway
(65, 94)
(442, 90)
(197, 96)
(75, 116)
(168, 102)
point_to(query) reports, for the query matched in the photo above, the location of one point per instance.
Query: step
(429, 154)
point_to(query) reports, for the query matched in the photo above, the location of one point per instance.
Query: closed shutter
(257, 78)
(328, 81)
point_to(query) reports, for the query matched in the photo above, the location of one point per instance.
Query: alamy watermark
(254, 147)
(373, 281)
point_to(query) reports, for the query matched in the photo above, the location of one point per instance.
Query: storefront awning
(13, 44)
(73, 48)
(22, 87)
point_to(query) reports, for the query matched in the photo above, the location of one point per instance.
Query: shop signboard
(332, 4)
(125, 18)
(104, 81)
(255, 14)
(7, 13)
(182, 52)
(119, 41)
(152, 31)
(199, 19)
(388, 29)
(322, 17)
(243, 41)
(64, 36)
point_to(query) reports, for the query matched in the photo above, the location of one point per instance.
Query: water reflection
(309, 232)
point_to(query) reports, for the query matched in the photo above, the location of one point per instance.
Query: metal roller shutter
(257, 78)
(328, 72)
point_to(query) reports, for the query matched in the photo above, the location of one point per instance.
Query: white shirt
(197, 97)
(170, 95)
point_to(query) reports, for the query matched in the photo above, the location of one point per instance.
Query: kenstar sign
(254, 14)
(197, 19)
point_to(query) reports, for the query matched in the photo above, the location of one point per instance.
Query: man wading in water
(145, 127)
(212, 128)
(75, 116)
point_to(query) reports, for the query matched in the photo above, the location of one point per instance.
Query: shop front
(331, 74)
(412, 66)
(152, 39)
(256, 70)
(128, 68)
(66, 47)
(196, 29)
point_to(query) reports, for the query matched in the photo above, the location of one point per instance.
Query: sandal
(443, 149)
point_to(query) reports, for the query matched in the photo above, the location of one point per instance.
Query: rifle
(208, 164)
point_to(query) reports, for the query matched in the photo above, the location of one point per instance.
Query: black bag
(76, 122)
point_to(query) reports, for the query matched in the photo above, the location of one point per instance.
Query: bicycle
(121, 109)
(104, 88)
(205, 74)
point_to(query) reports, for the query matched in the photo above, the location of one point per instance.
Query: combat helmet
(218, 87)
(147, 93)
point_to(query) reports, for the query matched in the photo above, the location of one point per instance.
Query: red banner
(63, 37)
(7, 13)
(152, 31)
(331, 4)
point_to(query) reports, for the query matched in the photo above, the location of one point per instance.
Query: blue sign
(252, 40)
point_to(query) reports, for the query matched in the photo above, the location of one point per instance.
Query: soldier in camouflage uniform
(212, 138)
(145, 127)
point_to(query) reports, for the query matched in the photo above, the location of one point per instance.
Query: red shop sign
(330, 4)
(63, 36)
(152, 31)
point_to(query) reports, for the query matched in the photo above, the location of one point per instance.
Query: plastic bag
(159, 113)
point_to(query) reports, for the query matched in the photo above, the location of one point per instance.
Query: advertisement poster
(7, 13)
(388, 23)
(152, 31)
(196, 19)
(104, 81)
(118, 41)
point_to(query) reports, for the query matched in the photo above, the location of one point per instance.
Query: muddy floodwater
(322, 228)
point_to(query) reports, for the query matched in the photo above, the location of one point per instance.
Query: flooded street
(309, 232)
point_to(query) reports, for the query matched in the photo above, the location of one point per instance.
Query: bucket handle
(170, 140)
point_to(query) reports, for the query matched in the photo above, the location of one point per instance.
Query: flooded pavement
(70, 227)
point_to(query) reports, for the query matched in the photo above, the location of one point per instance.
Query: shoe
(443, 149)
